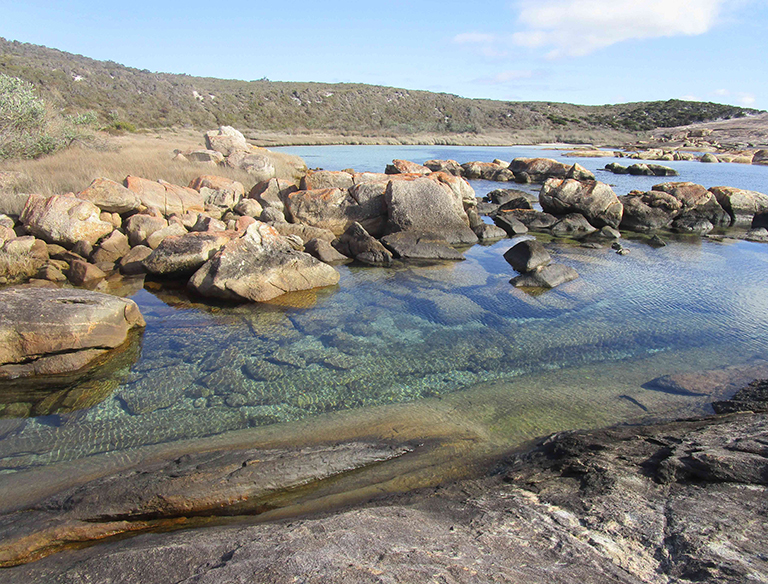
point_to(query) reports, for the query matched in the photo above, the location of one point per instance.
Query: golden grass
(148, 155)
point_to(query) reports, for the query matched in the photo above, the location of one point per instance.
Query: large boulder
(426, 205)
(218, 190)
(257, 165)
(357, 243)
(50, 330)
(511, 225)
(226, 140)
(696, 201)
(258, 266)
(485, 171)
(333, 209)
(373, 209)
(740, 204)
(165, 197)
(578, 172)
(64, 220)
(539, 169)
(572, 225)
(423, 246)
(326, 179)
(593, 199)
(110, 196)
(463, 193)
(140, 226)
(648, 211)
(272, 193)
(531, 219)
(182, 255)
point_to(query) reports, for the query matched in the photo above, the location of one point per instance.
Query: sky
(576, 51)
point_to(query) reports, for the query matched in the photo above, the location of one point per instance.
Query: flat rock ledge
(48, 331)
(683, 501)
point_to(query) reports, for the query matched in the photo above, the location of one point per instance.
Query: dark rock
(425, 246)
(616, 168)
(572, 225)
(692, 223)
(527, 256)
(695, 198)
(648, 211)
(533, 220)
(487, 232)
(357, 243)
(510, 223)
(656, 241)
(81, 273)
(324, 251)
(132, 264)
(502, 196)
(546, 277)
(752, 398)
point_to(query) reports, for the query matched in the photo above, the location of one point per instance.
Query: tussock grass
(148, 155)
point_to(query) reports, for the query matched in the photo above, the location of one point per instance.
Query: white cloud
(746, 99)
(580, 27)
(690, 98)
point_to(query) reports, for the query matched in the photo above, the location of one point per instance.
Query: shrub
(28, 129)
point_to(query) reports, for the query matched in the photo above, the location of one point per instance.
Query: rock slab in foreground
(46, 331)
(259, 266)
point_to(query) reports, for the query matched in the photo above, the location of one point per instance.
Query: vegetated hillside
(122, 94)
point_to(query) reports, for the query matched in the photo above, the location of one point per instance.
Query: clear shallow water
(455, 343)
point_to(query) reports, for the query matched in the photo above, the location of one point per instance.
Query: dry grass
(149, 155)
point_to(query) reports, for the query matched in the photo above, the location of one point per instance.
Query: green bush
(120, 127)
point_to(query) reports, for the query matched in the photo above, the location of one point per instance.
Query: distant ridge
(154, 100)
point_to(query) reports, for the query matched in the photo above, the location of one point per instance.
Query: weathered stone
(305, 232)
(272, 193)
(648, 211)
(425, 246)
(257, 165)
(595, 200)
(692, 223)
(482, 170)
(64, 220)
(449, 166)
(357, 243)
(111, 248)
(324, 251)
(139, 227)
(709, 157)
(373, 209)
(406, 167)
(21, 258)
(83, 273)
(578, 172)
(259, 266)
(547, 277)
(503, 196)
(426, 205)
(273, 215)
(332, 209)
(182, 255)
(616, 168)
(158, 236)
(132, 264)
(326, 179)
(573, 224)
(226, 140)
(695, 198)
(110, 196)
(206, 223)
(488, 232)
(527, 256)
(44, 330)
(510, 224)
(740, 204)
(164, 196)
(463, 193)
(539, 169)
(249, 208)
(533, 220)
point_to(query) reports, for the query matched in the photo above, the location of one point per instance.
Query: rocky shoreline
(681, 501)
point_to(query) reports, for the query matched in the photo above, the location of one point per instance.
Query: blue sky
(578, 51)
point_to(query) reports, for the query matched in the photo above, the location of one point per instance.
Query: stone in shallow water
(546, 277)
(51, 330)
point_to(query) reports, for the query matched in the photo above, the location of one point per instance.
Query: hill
(77, 84)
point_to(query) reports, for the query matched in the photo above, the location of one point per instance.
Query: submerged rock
(425, 246)
(545, 277)
(45, 331)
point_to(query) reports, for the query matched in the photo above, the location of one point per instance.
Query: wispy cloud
(746, 99)
(579, 27)
(506, 77)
